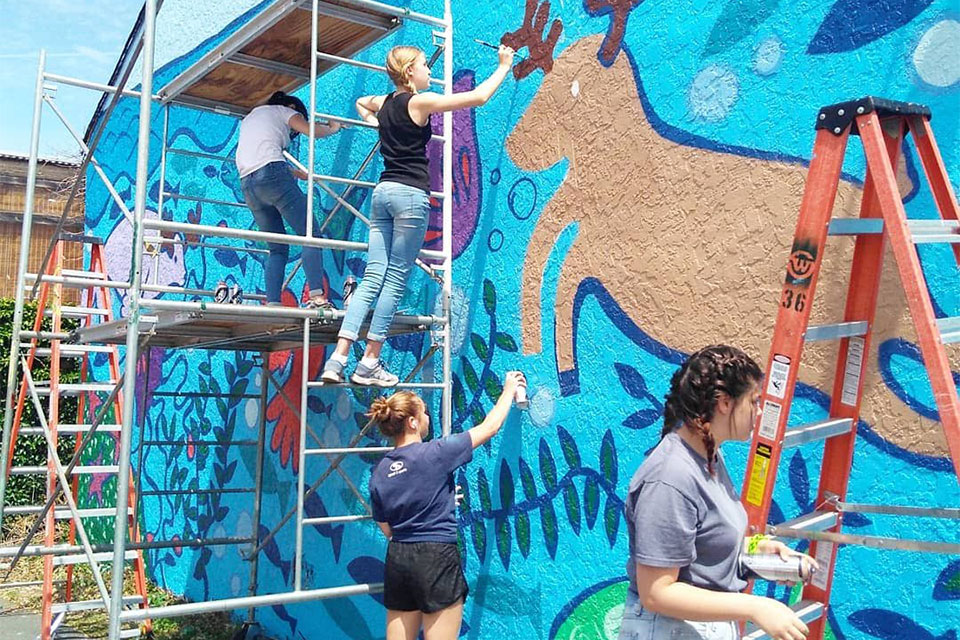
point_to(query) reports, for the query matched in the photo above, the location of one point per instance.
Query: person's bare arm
(300, 125)
(386, 529)
(494, 420)
(661, 592)
(368, 107)
(423, 104)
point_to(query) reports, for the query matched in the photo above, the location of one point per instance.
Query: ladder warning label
(758, 475)
(852, 371)
(779, 372)
(769, 419)
(823, 556)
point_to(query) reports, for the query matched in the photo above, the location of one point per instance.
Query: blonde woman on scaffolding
(400, 206)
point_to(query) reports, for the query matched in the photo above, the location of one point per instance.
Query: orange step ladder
(96, 298)
(881, 125)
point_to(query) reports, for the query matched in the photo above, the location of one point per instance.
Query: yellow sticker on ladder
(758, 475)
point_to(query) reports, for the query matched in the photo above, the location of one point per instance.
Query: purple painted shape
(467, 175)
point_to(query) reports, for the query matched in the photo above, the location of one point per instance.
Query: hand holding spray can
(520, 395)
(774, 568)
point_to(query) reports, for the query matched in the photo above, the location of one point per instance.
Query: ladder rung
(77, 471)
(335, 519)
(815, 333)
(949, 329)
(81, 558)
(27, 471)
(815, 521)
(87, 605)
(63, 429)
(43, 335)
(79, 238)
(71, 351)
(80, 273)
(344, 450)
(816, 431)
(806, 610)
(854, 226)
(80, 387)
(130, 633)
(76, 312)
(63, 513)
(934, 231)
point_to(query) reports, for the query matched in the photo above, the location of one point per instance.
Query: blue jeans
(398, 224)
(641, 624)
(273, 196)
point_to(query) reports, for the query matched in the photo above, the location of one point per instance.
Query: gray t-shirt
(678, 515)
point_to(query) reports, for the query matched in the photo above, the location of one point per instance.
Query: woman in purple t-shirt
(686, 525)
(412, 498)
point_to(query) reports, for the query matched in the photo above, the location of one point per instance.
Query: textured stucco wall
(628, 198)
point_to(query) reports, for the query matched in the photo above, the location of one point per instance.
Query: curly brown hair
(698, 383)
(391, 413)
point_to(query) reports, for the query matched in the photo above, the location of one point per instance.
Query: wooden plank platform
(220, 329)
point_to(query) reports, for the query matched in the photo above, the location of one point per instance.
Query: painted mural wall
(626, 198)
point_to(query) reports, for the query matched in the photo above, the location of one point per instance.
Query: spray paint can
(520, 398)
(770, 566)
(349, 286)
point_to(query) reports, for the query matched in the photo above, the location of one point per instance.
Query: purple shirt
(412, 489)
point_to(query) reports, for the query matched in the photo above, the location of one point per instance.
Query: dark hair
(695, 387)
(391, 413)
(286, 100)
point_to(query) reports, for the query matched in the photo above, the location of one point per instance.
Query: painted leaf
(611, 520)
(608, 459)
(470, 376)
(591, 500)
(526, 480)
(631, 380)
(479, 346)
(947, 585)
(642, 419)
(548, 468)
(889, 625)
(492, 387)
(504, 541)
(479, 534)
(853, 520)
(739, 19)
(799, 480)
(465, 491)
(483, 488)
(851, 24)
(506, 342)
(489, 297)
(522, 524)
(571, 502)
(548, 522)
(569, 448)
(459, 398)
(506, 486)
(477, 415)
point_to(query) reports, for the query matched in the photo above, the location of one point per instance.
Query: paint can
(520, 398)
(770, 566)
(349, 286)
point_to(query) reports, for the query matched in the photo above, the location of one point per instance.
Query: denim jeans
(398, 224)
(273, 196)
(641, 624)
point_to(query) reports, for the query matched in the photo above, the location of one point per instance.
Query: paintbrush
(497, 47)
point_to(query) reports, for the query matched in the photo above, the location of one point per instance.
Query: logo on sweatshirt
(396, 468)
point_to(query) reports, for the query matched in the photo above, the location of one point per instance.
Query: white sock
(336, 357)
(369, 362)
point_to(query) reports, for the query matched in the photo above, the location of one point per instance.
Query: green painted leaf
(526, 480)
(459, 398)
(608, 459)
(479, 534)
(477, 415)
(479, 346)
(548, 522)
(483, 488)
(611, 520)
(591, 500)
(548, 468)
(493, 388)
(506, 342)
(469, 375)
(522, 524)
(569, 448)
(504, 541)
(739, 19)
(489, 297)
(571, 500)
(506, 486)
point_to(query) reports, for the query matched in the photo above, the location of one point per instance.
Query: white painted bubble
(937, 56)
(713, 92)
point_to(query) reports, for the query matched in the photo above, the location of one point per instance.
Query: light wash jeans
(640, 624)
(398, 224)
(273, 196)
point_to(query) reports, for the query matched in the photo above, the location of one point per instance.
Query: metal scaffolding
(267, 53)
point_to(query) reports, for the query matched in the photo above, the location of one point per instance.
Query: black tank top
(403, 144)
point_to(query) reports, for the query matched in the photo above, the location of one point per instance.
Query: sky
(83, 39)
